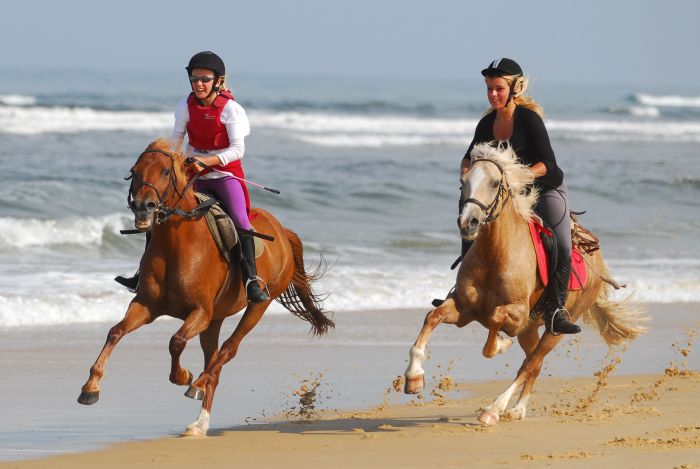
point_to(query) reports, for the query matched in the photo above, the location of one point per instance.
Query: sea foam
(28, 232)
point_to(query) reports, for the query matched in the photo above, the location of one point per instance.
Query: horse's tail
(299, 298)
(617, 321)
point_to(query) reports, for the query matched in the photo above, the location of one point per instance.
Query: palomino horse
(183, 275)
(497, 283)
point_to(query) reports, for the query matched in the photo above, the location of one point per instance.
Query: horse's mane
(168, 146)
(517, 175)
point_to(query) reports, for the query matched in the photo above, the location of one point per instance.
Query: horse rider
(216, 126)
(517, 119)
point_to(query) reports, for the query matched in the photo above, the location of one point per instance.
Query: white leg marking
(503, 344)
(200, 426)
(519, 410)
(501, 402)
(415, 364)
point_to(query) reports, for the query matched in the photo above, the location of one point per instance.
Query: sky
(584, 41)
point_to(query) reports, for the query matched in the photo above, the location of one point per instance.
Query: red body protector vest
(206, 132)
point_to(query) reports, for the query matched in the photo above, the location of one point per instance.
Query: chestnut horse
(498, 285)
(183, 275)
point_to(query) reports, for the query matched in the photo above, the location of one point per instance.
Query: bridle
(503, 194)
(163, 211)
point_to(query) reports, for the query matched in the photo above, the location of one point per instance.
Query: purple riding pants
(229, 192)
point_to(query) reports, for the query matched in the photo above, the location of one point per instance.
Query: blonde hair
(519, 83)
(224, 83)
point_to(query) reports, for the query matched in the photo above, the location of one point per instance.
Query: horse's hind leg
(530, 369)
(209, 340)
(205, 386)
(136, 316)
(197, 321)
(526, 377)
(528, 340)
(447, 313)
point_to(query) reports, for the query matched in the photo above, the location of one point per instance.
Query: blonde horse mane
(518, 176)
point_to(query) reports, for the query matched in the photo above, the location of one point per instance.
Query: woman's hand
(538, 170)
(212, 160)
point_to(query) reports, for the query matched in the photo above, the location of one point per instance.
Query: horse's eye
(166, 172)
(495, 184)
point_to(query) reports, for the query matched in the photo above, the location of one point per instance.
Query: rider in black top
(517, 119)
(530, 142)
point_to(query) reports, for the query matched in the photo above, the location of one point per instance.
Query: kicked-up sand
(604, 419)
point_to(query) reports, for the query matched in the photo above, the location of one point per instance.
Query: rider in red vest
(216, 126)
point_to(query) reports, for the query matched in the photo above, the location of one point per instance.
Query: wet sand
(637, 408)
(633, 421)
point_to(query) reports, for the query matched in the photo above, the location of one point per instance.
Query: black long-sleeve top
(530, 142)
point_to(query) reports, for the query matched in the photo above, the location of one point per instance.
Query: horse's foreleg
(446, 312)
(205, 386)
(136, 316)
(197, 321)
(496, 344)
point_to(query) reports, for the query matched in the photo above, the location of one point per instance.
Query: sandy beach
(638, 407)
(623, 422)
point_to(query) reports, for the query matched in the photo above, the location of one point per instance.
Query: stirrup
(257, 279)
(550, 329)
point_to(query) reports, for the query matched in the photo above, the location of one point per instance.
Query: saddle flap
(223, 230)
(220, 226)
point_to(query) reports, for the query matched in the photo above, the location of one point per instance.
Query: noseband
(163, 212)
(503, 193)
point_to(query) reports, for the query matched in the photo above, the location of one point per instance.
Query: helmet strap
(512, 90)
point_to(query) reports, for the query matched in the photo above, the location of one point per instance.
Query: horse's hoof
(195, 393)
(89, 397)
(414, 385)
(195, 431)
(186, 382)
(488, 417)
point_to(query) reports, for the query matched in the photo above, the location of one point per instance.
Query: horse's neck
(178, 230)
(501, 236)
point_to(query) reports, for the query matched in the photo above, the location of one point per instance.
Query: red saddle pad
(578, 266)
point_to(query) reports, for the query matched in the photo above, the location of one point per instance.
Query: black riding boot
(132, 282)
(556, 319)
(249, 271)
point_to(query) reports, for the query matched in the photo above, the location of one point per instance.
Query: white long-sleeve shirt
(233, 116)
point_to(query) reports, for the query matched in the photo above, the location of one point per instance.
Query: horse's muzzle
(468, 227)
(144, 213)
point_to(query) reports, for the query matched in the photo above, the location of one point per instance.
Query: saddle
(582, 240)
(223, 230)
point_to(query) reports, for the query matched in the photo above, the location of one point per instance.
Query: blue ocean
(367, 170)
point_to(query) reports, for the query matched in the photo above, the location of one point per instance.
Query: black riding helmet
(208, 60)
(504, 67)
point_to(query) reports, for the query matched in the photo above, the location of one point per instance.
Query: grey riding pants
(553, 207)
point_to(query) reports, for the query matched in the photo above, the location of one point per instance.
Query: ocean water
(367, 171)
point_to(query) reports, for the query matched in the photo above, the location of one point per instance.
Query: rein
(163, 211)
(503, 193)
